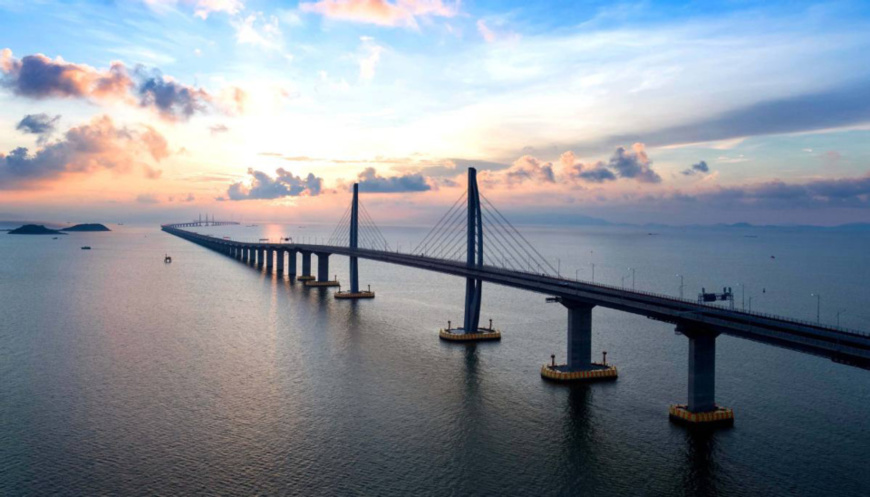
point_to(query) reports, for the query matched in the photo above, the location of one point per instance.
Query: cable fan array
(369, 235)
(503, 245)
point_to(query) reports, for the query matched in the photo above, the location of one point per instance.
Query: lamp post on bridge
(840, 311)
(632, 277)
(681, 285)
(593, 272)
(818, 297)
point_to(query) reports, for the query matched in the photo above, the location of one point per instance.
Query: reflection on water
(124, 375)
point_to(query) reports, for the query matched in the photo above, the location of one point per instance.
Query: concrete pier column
(280, 262)
(261, 256)
(322, 267)
(579, 365)
(579, 336)
(306, 264)
(702, 370)
(291, 262)
(270, 258)
(701, 408)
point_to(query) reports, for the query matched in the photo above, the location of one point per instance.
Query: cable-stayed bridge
(475, 241)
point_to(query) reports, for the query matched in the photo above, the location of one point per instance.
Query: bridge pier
(270, 259)
(579, 365)
(280, 262)
(306, 267)
(322, 272)
(261, 257)
(291, 263)
(701, 409)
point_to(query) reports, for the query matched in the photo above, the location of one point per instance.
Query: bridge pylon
(353, 243)
(471, 330)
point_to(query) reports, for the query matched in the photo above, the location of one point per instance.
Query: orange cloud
(380, 12)
(95, 146)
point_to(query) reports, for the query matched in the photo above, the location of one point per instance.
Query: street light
(622, 284)
(577, 274)
(632, 277)
(841, 311)
(593, 272)
(818, 306)
(681, 284)
(743, 295)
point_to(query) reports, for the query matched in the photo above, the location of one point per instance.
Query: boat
(167, 259)
(55, 238)
(86, 247)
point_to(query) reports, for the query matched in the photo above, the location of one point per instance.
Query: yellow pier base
(322, 283)
(354, 295)
(459, 335)
(722, 416)
(305, 278)
(604, 373)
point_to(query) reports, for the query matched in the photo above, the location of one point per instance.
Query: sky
(261, 110)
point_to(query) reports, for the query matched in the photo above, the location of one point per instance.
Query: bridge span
(700, 323)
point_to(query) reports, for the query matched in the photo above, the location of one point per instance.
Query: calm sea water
(122, 375)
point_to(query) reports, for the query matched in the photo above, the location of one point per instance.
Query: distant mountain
(87, 227)
(34, 229)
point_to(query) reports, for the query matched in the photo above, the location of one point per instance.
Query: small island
(35, 229)
(87, 227)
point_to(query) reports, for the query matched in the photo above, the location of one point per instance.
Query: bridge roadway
(843, 346)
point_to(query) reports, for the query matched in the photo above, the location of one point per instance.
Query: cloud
(202, 8)
(699, 168)
(218, 129)
(777, 194)
(147, 198)
(485, 32)
(381, 12)
(528, 168)
(206, 7)
(260, 31)
(285, 184)
(369, 61)
(38, 124)
(38, 77)
(370, 181)
(633, 163)
(171, 99)
(98, 145)
(839, 107)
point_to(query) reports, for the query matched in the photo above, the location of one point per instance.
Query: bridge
(455, 246)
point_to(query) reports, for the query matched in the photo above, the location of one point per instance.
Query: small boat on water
(86, 247)
(167, 259)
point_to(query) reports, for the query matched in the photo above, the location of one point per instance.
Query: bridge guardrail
(776, 317)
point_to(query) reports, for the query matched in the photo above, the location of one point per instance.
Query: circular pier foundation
(459, 335)
(560, 372)
(305, 278)
(722, 416)
(322, 283)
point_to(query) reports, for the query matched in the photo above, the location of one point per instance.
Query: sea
(124, 375)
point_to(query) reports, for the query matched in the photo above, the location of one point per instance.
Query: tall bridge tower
(471, 330)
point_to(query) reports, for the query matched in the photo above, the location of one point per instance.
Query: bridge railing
(672, 298)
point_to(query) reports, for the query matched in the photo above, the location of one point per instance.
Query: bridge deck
(845, 346)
